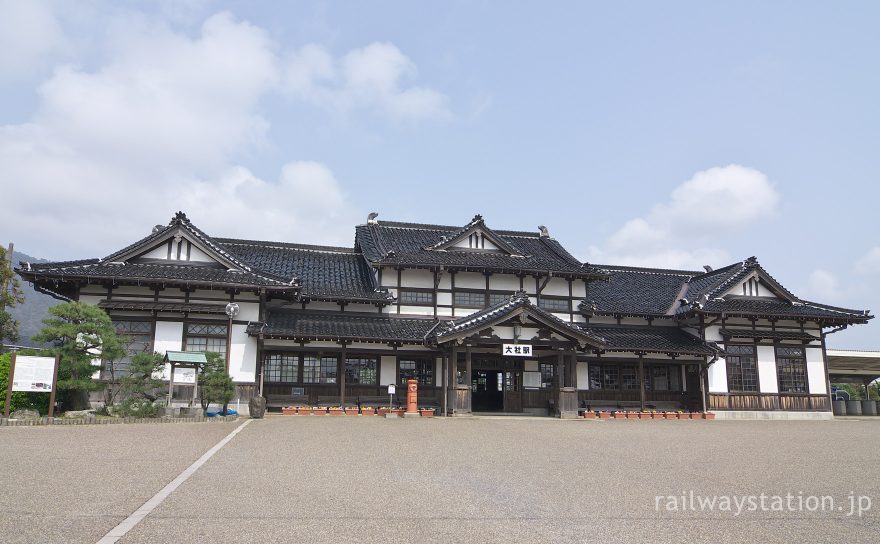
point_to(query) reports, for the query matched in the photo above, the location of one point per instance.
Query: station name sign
(516, 350)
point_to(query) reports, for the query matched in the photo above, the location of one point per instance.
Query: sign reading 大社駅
(516, 350)
(34, 374)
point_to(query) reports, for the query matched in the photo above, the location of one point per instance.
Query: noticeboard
(34, 374)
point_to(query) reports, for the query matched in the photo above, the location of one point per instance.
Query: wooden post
(9, 386)
(445, 378)
(54, 385)
(342, 377)
(195, 388)
(467, 366)
(573, 382)
(560, 369)
(641, 382)
(171, 384)
(228, 344)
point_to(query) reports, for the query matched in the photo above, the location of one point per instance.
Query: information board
(33, 374)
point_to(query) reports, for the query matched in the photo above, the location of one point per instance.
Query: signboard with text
(516, 350)
(34, 374)
(184, 375)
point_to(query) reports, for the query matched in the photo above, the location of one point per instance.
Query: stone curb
(4, 422)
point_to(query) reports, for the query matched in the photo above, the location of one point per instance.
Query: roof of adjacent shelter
(668, 340)
(186, 357)
(342, 326)
(853, 363)
(421, 245)
(323, 272)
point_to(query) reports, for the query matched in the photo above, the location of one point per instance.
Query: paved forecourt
(293, 479)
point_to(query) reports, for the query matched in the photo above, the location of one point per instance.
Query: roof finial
(751, 261)
(180, 217)
(543, 231)
(371, 219)
(477, 218)
(707, 268)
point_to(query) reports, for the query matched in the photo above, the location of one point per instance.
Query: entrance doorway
(487, 391)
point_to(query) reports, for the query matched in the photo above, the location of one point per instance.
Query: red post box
(412, 396)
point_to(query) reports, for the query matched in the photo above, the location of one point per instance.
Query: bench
(274, 400)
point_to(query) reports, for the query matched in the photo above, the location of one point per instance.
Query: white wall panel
(718, 377)
(767, 369)
(388, 370)
(816, 371)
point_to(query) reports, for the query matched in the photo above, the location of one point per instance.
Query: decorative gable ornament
(475, 236)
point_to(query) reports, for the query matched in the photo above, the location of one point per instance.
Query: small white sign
(392, 389)
(516, 350)
(184, 375)
(33, 374)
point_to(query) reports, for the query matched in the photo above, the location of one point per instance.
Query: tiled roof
(671, 340)
(635, 291)
(704, 287)
(177, 307)
(776, 335)
(150, 273)
(500, 311)
(323, 272)
(411, 244)
(348, 326)
(772, 307)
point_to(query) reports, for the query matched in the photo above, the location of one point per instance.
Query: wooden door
(513, 390)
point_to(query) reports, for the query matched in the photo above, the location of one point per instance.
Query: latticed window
(360, 370)
(791, 369)
(611, 377)
(470, 299)
(498, 298)
(319, 369)
(555, 304)
(281, 368)
(206, 337)
(664, 378)
(548, 370)
(418, 369)
(629, 379)
(742, 369)
(136, 337)
(595, 373)
(419, 298)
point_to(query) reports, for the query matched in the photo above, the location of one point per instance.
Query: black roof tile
(350, 326)
(635, 291)
(671, 340)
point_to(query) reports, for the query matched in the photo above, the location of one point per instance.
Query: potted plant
(336, 411)
(383, 410)
(645, 415)
(351, 410)
(603, 414)
(684, 415)
(288, 410)
(368, 411)
(632, 415)
(589, 414)
(303, 410)
(319, 411)
(398, 411)
(426, 412)
(708, 415)
(619, 414)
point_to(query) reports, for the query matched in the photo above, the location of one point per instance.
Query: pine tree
(215, 384)
(10, 295)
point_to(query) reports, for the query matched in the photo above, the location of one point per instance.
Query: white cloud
(29, 31)
(372, 77)
(824, 286)
(869, 263)
(684, 232)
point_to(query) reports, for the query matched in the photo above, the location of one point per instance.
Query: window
(629, 378)
(791, 369)
(595, 372)
(665, 377)
(419, 369)
(742, 370)
(281, 368)
(498, 298)
(319, 369)
(554, 304)
(418, 298)
(610, 377)
(470, 299)
(136, 337)
(206, 337)
(548, 371)
(360, 370)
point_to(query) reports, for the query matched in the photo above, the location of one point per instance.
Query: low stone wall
(4, 422)
(773, 415)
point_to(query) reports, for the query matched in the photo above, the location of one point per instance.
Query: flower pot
(426, 412)
(645, 415)
(632, 415)
(351, 411)
(319, 411)
(303, 410)
(708, 415)
(619, 415)
(398, 412)
(336, 412)
(684, 415)
(589, 414)
(288, 411)
(603, 414)
(368, 411)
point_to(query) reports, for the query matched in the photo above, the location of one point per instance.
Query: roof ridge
(287, 245)
(645, 270)
(453, 228)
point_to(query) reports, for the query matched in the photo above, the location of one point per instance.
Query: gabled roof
(342, 326)
(416, 245)
(477, 224)
(517, 304)
(324, 272)
(634, 291)
(717, 282)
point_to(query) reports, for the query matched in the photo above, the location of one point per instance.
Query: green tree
(141, 382)
(10, 295)
(215, 384)
(81, 333)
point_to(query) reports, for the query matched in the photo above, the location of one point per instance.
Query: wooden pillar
(467, 365)
(445, 377)
(641, 382)
(342, 377)
(573, 378)
(9, 384)
(453, 381)
(560, 369)
(171, 384)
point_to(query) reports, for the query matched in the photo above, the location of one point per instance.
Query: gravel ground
(291, 479)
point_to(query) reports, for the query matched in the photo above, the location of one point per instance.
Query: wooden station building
(486, 320)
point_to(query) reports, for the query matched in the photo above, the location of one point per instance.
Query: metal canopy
(853, 365)
(185, 357)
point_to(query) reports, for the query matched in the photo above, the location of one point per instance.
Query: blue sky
(665, 134)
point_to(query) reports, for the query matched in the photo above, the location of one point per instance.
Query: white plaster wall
(168, 336)
(133, 290)
(417, 278)
(718, 377)
(438, 372)
(444, 299)
(445, 281)
(816, 371)
(767, 369)
(417, 310)
(248, 311)
(602, 320)
(389, 277)
(470, 280)
(583, 376)
(713, 334)
(462, 312)
(90, 299)
(447, 312)
(158, 252)
(196, 254)
(564, 317)
(504, 282)
(557, 287)
(242, 355)
(387, 370)
(579, 289)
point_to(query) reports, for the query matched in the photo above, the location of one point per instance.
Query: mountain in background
(30, 315)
